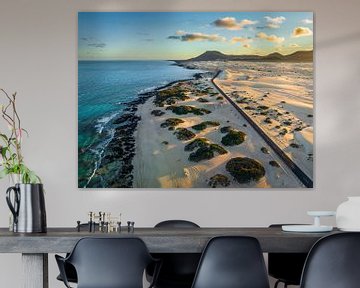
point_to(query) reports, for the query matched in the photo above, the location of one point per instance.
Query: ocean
(104, 89)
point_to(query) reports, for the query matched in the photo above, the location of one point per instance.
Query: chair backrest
(110, 262)
(333, 262)
(177, 224)
(178, 266)
(232, 262)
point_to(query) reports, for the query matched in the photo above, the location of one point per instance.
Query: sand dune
(288, 94)
(160, 159)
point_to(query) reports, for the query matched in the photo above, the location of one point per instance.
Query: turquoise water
(104, 87)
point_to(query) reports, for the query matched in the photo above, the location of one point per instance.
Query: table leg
(35, 270)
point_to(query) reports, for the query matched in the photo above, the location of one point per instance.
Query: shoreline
(151, 156)
(121, 148)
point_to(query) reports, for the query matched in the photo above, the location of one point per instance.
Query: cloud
(274, 22)
(294, 45)
(270, 38)
(191, 37)
(240, 39)
(301, 32)
(307, 21)
(245, 41)
(230, 23)
(92, 42)
(180, 32)
(97, 45)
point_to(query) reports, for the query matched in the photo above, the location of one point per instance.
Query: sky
(183, 35)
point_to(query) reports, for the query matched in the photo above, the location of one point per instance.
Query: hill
(299, 56)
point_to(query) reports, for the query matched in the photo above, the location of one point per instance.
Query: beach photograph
(195, 100)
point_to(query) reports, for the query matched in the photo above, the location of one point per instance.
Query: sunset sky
(183, 35)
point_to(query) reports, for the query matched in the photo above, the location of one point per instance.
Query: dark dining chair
(286, 267)
(333, 262)
(178, 269)
(232, 262)
(70, 271)
(108, 263)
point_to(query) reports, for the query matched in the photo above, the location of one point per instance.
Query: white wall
(38, 59)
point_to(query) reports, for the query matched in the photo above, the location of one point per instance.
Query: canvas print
(195, 100)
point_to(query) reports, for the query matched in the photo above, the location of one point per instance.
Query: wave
(102, 122)
(98, 151)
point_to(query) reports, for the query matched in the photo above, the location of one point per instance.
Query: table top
(158, 240)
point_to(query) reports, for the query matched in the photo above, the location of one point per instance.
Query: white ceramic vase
(348, 215)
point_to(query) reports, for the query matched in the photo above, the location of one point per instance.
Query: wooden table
(35, 247)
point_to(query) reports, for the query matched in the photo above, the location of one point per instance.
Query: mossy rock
(196, 143)
(203, 153)
(219, 98)
(265, 150)
(170, 96)
(274, 163)
(268, 120)
(171, 101)
(157, 113)
(233, 138)
(243, 100)
(202, 100)
(219, 180)
(171, 122)
(205, 124)
(245, 169)
(206, 152)
(219, 149)
(262, 107)
(182, 110)
(226, 129)
(184, 134)
(283, 131)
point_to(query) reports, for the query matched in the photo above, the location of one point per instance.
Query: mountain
(274, 57)
(210, 56)
(299, 56)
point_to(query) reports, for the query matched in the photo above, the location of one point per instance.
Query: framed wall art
(195, 100)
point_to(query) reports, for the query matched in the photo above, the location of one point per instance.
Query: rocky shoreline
(116, 164)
